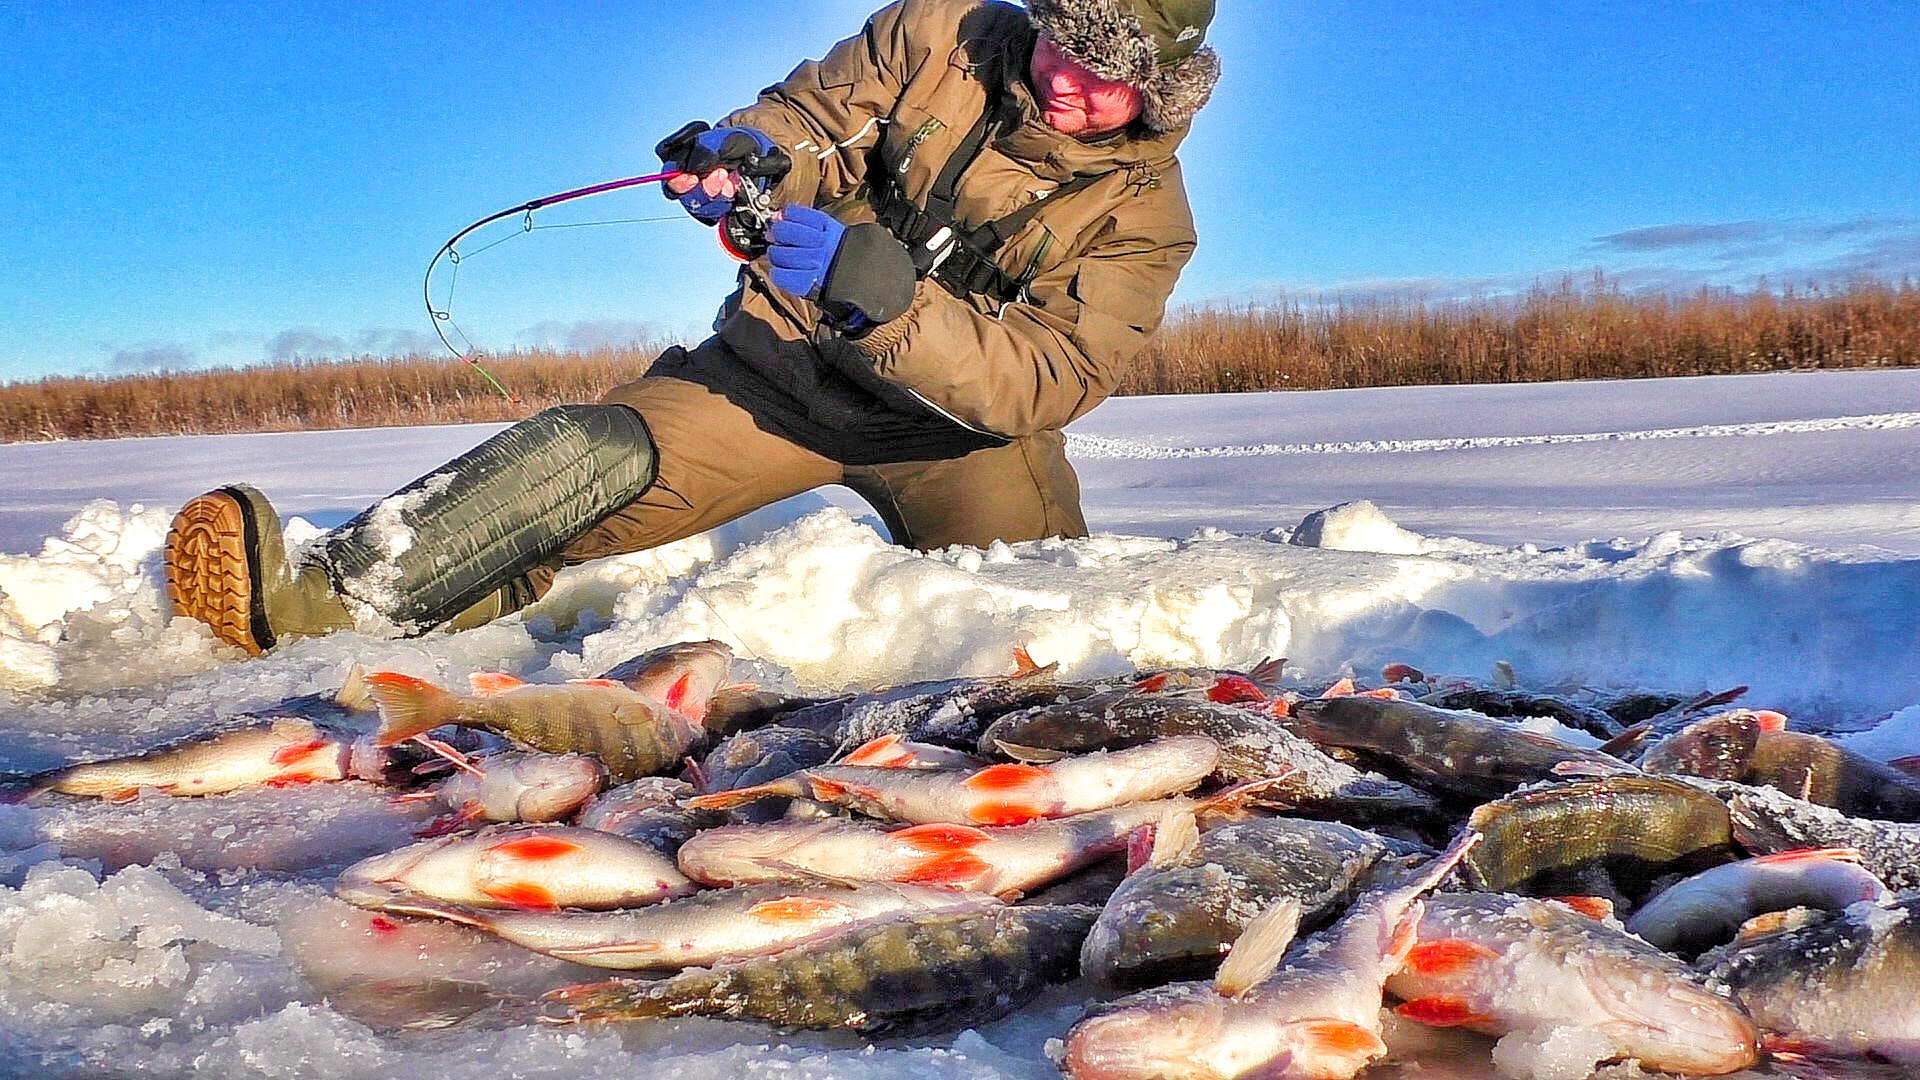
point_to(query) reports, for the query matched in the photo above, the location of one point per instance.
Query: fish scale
(896, 976)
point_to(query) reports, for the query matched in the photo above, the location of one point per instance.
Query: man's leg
(714, 466)
(1022, 491)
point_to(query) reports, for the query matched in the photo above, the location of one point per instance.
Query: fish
(633, 734)
(1755, 748)
(533, 867)
(271, 753)
(1460, 754)
(1006, 794)
(518, 786)
(1175, 917)
(1006, 860)
(1707, 908)
(1514, 703)
(1768, 821)
(952, 712)
(758, 756)
(1278, 1008)
(1253, 745)
(683, 676)
(1839, 982)
(702, 929)
(1537, 973)
(920, 974)
(648, 810)
(1614, 837)
(900, 752)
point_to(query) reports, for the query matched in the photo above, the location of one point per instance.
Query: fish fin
(1445, 956)
(1268, 671)
(940, 837)
(1406, 934)
(1027, 754)
(1624, 743)
(1004, 813)
(680, 693)
(353, 695)
(1441, 1012)
(1257, 952)
(430, 908)
(408, 706)
(612, 948)
(790, 786)
(1342, 688)
(799, 909)
(1768, 720)
(522, 895)
(1152, 684)
(832, 790)
(605, 684)
(949, 868)
(448, 824)
(1398, 672)
(1140, 846)
(1908, 765)
(1007, 776)
(1588, 768)
(1234, 799)
(293, 752)
(1338, 1039)
(1385, 693)
(121, 795)
(1597, 908)
(494, 682)
(1174, 835)
(1280, 707)
(1830, 854)
(1023, 662)
(1504, 676)
(1233, 689)
(538, 847)
(877, 752)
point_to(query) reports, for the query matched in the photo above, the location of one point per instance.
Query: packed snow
(1677, 535)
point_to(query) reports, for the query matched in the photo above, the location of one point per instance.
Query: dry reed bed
(1567, 332)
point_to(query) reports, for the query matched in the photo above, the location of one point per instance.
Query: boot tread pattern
(210, 576)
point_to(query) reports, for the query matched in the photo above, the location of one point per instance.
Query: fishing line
(442, 315)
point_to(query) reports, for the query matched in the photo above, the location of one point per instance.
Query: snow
(1680, 535)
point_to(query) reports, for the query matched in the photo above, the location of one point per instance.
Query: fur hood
(1151, 45)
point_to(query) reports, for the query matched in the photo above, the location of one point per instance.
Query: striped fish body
(631, 733)
(911, 975)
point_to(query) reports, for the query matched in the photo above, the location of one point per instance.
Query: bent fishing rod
(742, 234)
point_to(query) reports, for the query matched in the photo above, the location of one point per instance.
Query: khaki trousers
(715, 465)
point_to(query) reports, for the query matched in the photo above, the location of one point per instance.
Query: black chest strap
(961, 257)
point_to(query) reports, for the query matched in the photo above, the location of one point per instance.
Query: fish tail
(435, 909)
(789, 786)
(408, 706)
(354, 694)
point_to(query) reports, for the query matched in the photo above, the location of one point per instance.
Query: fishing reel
(755, 170)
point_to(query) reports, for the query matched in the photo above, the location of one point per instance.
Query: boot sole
(213, 569)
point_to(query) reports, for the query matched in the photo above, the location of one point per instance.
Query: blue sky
(192, 184)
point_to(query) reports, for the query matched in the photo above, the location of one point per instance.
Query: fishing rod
(742, 233)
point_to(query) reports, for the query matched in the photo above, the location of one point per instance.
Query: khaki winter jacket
(956, 372)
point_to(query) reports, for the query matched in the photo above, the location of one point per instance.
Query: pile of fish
(1252, 877)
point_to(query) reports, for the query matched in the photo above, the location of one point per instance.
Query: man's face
(1074, 100)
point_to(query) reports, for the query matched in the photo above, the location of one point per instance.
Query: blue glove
(801, 244)
(699, 149)
(872, 283)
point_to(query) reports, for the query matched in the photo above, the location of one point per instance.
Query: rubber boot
(227, 566)
(454, 543)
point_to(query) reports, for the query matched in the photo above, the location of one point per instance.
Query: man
(982, 220)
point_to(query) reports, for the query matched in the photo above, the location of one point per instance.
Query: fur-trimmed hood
(1151, 45)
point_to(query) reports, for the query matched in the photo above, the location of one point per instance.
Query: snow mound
(1356, 526)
